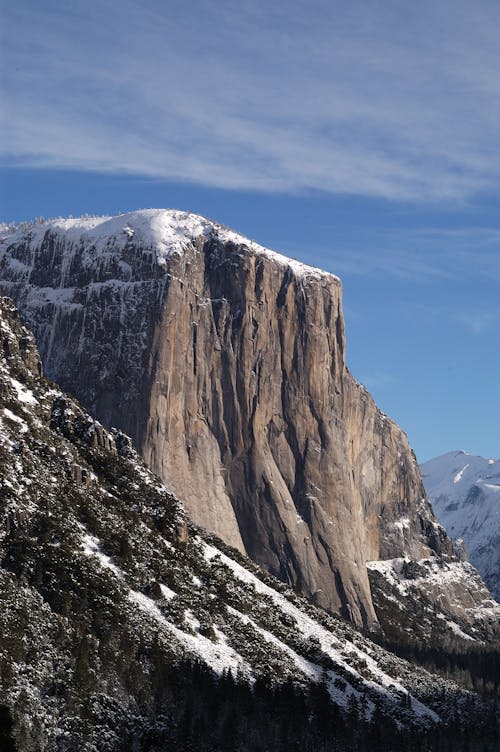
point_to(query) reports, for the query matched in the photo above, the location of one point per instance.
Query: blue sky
(359, 136)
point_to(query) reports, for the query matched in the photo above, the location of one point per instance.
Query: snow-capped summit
(162, 231)
(465, 493)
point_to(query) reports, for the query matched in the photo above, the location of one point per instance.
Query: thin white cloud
(479, 318)
(391, 99)
(378, 380)
(480, 321)
(421, 254)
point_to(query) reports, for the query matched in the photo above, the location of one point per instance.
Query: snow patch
(459, 475)
(91, 547)
(167, 593)
(219, 655)
(16, 419)
(23, 393)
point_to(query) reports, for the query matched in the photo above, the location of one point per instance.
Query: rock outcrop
(225, 362)
(434, 605)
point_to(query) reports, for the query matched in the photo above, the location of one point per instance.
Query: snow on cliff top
(167, 231)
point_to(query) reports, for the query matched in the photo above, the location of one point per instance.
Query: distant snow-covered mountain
(465, 493)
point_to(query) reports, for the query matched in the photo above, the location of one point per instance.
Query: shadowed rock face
(226, 365)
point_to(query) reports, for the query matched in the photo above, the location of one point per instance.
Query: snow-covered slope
(465, 494)
(106, 594)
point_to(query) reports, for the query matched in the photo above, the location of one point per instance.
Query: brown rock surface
(226, 365)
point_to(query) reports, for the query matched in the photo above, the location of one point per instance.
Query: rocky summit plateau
(225, 363)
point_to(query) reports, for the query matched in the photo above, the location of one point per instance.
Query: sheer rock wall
(226, 365)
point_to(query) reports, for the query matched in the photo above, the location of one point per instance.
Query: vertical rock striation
(225, 362)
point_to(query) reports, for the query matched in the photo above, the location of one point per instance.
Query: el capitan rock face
(225, 362)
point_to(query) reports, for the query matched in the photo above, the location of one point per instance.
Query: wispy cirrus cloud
(476, 318)
(480, 320)
(421, 254)
(389, 100)
(377, 379)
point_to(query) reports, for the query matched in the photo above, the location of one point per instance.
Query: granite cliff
(225, 363)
